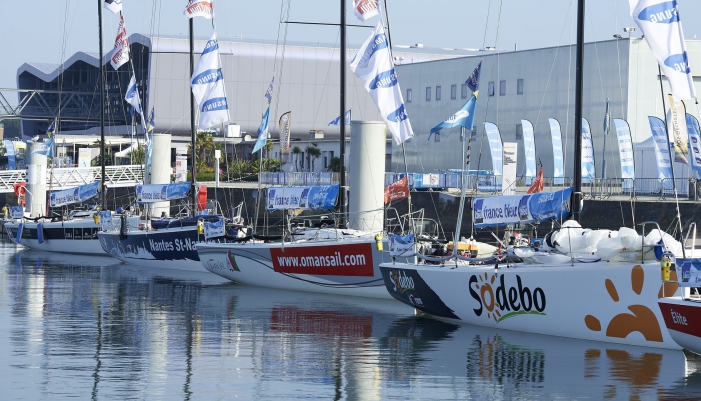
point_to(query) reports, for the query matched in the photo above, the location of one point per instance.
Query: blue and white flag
(473, 81)
(694, 143)
(529, 150)
(464, 117)
(607, 118)
(495, 146)
(661, 25)
(263, 134)
(664, 160)
(337, 120)
(588, 167)
(269, 91)
(151, 123)
(558, 159)
(305, 198)
(214, 229)
(401, 245)
(52, 128)
(74, 195)
(10, 152)
(374, 67)
(625, 152)
(45, 148)
(132, 95)
(151, 193)
(520, 209)
(208, 86)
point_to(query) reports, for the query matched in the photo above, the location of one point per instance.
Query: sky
(50, 31)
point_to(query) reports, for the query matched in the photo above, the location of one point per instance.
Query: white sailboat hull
(612, 302)
(345, 267)
(683, 320)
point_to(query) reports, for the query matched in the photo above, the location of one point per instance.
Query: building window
(428, 93)
(502, 88)
(491, 88)
(408, 95)
(453, 92)
(437, 137)
(438, 93)
(463, 91)
(519, 87)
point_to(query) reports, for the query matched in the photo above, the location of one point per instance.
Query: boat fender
(200, 227)
(123, 227)
(96, 218)
(378, 241)
(666, 267)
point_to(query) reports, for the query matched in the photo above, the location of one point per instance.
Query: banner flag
(132, 95)
(52, 128)
(558, 159)
(199, 8)
(374, 67)
(401, 245)
(45, 148)
(397, 190)
(661, 26)
(694, 144)
(664, 160)
(473, 81)
(74, 195)
(306, 198)
(464, 117)
(337, 120)
(495, 147)
(263, 134)
(538, 184)
(529, 150)
(625, 151)
(113, 5)
(208, 86)
(120, 53)
(520, 209)
(17, 212)
(214, 229)
(676, 125)
(11, 154)
(284, 123)
(152, 193)
(588, 167)
(269, 91)
(365, 9)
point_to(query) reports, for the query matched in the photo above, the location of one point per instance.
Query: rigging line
(326, 81)
(567, 110)
(619, 167)
(491, 76)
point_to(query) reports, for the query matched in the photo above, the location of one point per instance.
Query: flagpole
(102, 110)
(193, 153)
(342, 172)
(579, 87)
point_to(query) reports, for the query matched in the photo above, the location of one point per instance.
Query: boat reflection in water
(89, 327)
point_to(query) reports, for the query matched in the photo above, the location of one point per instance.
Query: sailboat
(327, 258)
(593, 285)
(75, 231)
(170, 243)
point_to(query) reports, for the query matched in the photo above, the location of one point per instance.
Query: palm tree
(108, 155)
(296, 151)
(205, 149)
(334, 164)
(313, 153)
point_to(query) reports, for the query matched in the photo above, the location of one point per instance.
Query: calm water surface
(88, 327)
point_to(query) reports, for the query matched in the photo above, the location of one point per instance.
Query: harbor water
(92, 328)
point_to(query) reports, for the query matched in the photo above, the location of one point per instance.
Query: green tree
(109, 160)
(138, 155)
(334, 164)
(12, 128)
(296, 151)
(313, 153)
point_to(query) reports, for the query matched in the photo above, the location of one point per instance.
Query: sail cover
(558, 160)
(495, 146)
(152, 193)
(305, 198)
(521, 209)
(74, 195)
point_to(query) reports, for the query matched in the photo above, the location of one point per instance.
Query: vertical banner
(676, 125)
(588, 167)
(180, 168)
(84, 157)
(510, 156)
(285, 136)
(662, 28)
(120, 54)
(664, 160)
(694, 144)
(495, 147)
(529, 150)
(10, 152)
(625, 151)
(558, 160)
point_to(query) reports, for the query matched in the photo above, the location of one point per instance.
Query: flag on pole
(365, 9)
(46, 148)
(151, 124)
(269, 91)
(149, 137)
(207, 84)
(374, 67)
(464, 117)
(473, 81)
(284, 124)
(113, 5)
(199, 8)
(337, 120)
(132, 95)
(607, 118)
(661, 25)
(263, 133)
(52, 128)
(538, 184)
(397, 190)
(120, 53)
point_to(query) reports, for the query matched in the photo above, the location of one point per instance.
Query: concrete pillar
(160, 170)
(35, 201)
(366, 171)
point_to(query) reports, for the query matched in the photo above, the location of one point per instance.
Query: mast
(103, 198)
(193, 152)
(342, 195)
(579, 83)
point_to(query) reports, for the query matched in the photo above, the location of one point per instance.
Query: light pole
(629, 30)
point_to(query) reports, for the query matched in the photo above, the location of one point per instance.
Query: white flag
(374, 67)
(365, 9)
(660, 23)
(120, 54)
(208, 86)
(199, 8)
(132, 95)
(113, 5)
